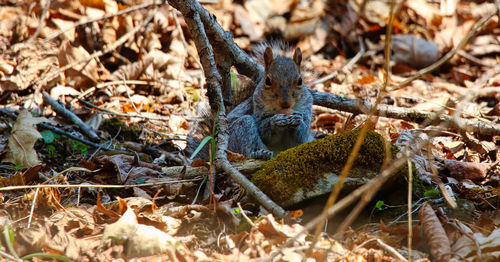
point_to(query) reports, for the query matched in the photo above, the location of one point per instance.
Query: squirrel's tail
(279, 49)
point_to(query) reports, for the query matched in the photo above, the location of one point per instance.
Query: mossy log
(312, 169)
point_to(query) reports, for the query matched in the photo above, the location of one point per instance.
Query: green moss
(126, 132)
(300, 167)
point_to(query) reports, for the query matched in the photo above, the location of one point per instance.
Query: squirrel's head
(282, 81)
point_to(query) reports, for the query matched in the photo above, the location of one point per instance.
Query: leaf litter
(129, 207)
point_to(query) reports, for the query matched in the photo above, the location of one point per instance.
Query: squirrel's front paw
(287, 120)
(263, 154)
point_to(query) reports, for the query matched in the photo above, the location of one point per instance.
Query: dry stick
(359, 141)
(471, 58)
(61, 132)
(7, 255)
(388, 248)
(410, 193)
(450, 54)
(245, 215)
(362, 107)
(33, 203)
(88, 21)
(42, 21)
(71, 116)
(190, 9)
(10, 188)
(223, 44)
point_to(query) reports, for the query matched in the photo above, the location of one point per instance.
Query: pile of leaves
(98, 97)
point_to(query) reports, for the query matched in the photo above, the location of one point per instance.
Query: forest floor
(98, 96)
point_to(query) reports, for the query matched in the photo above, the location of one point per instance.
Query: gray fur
(258, 132)
(257, 127)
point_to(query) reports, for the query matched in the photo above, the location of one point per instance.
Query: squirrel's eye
(299, 81)
(268, 81)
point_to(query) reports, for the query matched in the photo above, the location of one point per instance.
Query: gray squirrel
(278, 114)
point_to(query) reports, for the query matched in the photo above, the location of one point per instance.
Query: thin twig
(42, 21)
(10, 188)
(388, 248)
(7, 255)
(33, 204)
(71, 116)
(472, 58)
(242, 211)
(357, 106)
(410, 200)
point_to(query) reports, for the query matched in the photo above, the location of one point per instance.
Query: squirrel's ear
(297, 56)
(268, 56)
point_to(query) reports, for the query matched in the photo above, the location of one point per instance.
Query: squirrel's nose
(284, 103)
(284, 100)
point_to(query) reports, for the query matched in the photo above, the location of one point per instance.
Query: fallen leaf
(22, 140)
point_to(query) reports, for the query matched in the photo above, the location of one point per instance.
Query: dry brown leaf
(465, 248)
(304, 19)
(466, 170)
(142, 240)
(259, 10)
(129, 169)
(281, 7)
(131, 71)
(76, 220)
(22, 140)
(377, 12)
(93, 3)
(64, 25)
(434, 231)
(34, 62)
(6, 67)
(15, 180)
(178, 124)
(424, 9)
(84, 75)
(47, 197)
(108, 33)
(112, 214)
(434, 104)
(248, 26)
(153, 42)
